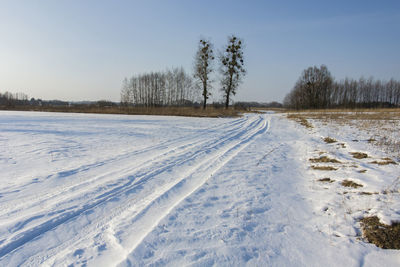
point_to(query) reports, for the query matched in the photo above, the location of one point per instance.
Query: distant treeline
(169, 88)
(317, 89)
(8, 99)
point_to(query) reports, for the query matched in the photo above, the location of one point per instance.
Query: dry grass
(385, 161)
(329, 140)
(163, 111)
(324, 159)
(362, 171)
(326, 180)
(368, 193)
(386, 120)
(382, 235)
(349, 183)
(342, 145)
(359, 155)
(323, 168)
(352, 114)
(301, 120)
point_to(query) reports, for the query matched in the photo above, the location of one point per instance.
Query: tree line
(8, 99)
(177, 88)
(169, 88)
(317, 89)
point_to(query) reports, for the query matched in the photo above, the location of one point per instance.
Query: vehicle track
(136, 159)
(140, 202)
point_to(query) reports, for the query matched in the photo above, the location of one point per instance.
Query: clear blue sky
(82, 49)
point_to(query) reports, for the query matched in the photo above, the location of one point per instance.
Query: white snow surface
(115, 190)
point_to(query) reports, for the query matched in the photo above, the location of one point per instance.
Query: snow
(115, 190)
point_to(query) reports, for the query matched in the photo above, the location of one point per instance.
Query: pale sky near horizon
(82, 50)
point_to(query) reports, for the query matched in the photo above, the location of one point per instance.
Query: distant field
(164, 111)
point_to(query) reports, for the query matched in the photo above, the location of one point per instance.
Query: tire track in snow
(228, 145)
(111, 160)
(152, 209)
(169, 147)
(19, 238)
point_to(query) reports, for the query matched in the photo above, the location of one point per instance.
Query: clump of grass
(324, 159)
(349, 183)
(379, 234)
(359, 155)
(385, 161)
(323, 168)
(326, 180)
(300, 120)
(343, 145)
(368, 193)
(362, 171)
(371, 140)
(330, 140)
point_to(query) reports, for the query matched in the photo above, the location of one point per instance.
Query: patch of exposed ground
(323, 168)
(384, 161)
(349, 183)
(326, 180)
(382, 235)
(329, 140)
(359, 155)
(300, 119)
(324, 159)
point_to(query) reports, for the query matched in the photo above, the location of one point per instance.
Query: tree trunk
(205, 95)
(227, 100)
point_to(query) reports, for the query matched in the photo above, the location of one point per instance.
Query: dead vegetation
(210, 111)
(386, 120)
(326, 180)
(324, 159)
(384, 161)
(329, 140)
(349, 183)
(323, 168)
(359, 155)
(382, 235)
(368, 193)
(301, 120)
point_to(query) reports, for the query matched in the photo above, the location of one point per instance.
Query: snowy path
(129, 194)
(140, 190)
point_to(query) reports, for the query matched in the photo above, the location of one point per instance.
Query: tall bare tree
(203, 67)
(232, 67)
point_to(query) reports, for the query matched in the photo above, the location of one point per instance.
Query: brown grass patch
(368, 193)
(324, 159)
(326, 180)
(349, 183)
(330, 140)
(382, 235)
(300, 120)
(362, 171)
(353, 114)
(323, 168)
(385, 161)
(343, 145)
(359, 155)
(162, 111)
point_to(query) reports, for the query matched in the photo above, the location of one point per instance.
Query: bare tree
(316, 89)
(203, 67)
(232, 67)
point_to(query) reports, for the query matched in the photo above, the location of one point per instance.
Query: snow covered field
(111, 190)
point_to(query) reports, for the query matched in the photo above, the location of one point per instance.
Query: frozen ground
(104, 190)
